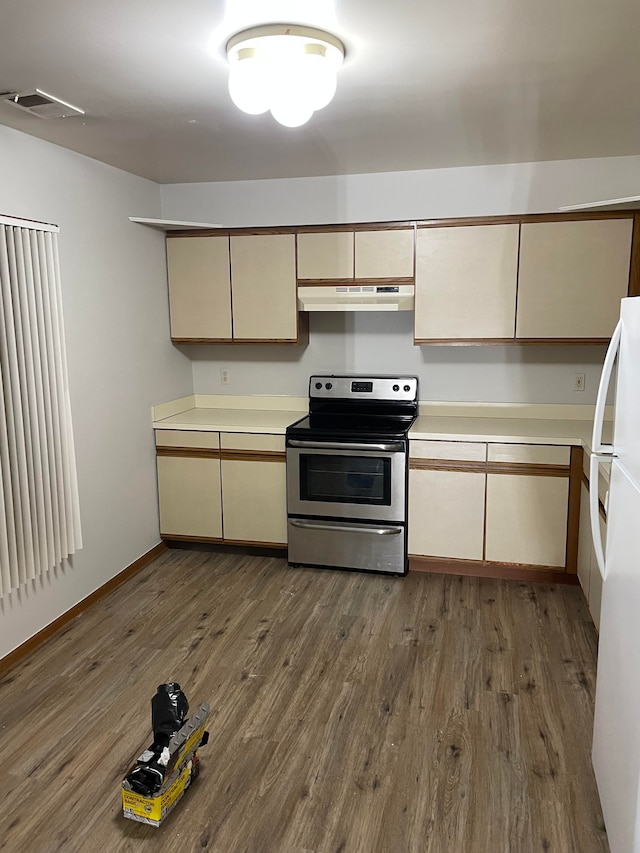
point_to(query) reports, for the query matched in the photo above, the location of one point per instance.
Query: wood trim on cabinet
(472, 342)
(234, 341)
(354, 282)
(177, 537)
(568, 216)
(528, 469)
(399, 225)
(420, 463)
(520, 468)
(573, 512)
(192, 452)
(634, 273)
(402, 225)
(30, 645)
(201, 340)
(487, 569)
(253, 455)
(253, 544)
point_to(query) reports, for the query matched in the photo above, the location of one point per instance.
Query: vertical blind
(39, 507)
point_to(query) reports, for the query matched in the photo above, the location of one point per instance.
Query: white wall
(467, 191)
(120, 360)
(385, 343)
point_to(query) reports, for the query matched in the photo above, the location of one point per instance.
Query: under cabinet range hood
(356, 297)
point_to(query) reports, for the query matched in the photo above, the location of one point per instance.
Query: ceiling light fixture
(287, 69)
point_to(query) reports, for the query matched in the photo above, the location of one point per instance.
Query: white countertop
(507, 430)
(231, 420)
(495, 422)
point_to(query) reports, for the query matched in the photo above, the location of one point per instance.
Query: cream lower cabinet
(446, 502)
(229, 487)
(254, 488)
(527, 519)
(527, 511)
(189, 499)
(495, 503)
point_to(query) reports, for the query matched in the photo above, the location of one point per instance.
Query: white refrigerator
(616, 736)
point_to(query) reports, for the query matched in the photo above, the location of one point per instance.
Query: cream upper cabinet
(199, 287)
(387, 253)
(466, 282)
(263, 280)
(527, 519)
(572, 277)
(326, 255)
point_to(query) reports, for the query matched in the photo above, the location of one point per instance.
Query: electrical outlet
(225, 376)
(578, 381)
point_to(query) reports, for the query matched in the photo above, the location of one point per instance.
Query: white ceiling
(425, 84)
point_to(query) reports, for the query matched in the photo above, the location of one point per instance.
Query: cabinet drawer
(251, 441)
(530, 454)
(459, 451)
(184, 438)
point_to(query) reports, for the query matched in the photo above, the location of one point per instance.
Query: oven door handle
(352, 528)
(390, 447)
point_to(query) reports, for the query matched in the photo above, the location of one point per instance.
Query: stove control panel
(402, 388)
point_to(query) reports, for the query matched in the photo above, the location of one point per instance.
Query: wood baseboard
(30, 645)
(483, 569)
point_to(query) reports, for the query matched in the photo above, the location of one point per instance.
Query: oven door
(330, 479)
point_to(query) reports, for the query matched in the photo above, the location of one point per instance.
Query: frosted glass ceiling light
(289, 70)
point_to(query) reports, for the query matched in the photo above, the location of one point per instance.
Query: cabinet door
(572, 277)
(199, 287)
(527, 519)
(466, 282)
(263, 278)
(446, 513)
(254, 500)
(326, 256)
(189, 497)
(385, 253)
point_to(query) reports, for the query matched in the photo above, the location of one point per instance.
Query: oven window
(345, 479)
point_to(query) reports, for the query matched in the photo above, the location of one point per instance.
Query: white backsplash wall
(383, 343)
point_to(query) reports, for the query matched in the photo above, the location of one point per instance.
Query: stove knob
(318, 385)
(396, 387)
(329, 386)
(407, 388)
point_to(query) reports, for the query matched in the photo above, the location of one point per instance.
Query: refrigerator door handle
(605, 380)
(594, 512)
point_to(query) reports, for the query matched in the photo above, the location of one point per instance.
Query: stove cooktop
(351, 427)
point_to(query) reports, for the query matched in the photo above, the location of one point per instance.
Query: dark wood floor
(350, 714)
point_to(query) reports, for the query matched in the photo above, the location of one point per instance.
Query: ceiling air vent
(41, 104)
